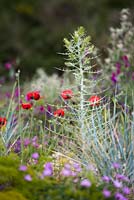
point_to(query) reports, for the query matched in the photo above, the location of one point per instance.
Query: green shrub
(13, 186)
(14, 195)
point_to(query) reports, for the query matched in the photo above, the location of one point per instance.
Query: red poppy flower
(33, 95)
(36, 96)
(26, 106)
(29, 96)
(94, 100)
(3, 121)
(59, 112)
(67, 94)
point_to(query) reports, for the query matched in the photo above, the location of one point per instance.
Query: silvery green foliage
(78, 113)
(9, 134)
(113, 142)
(101, 135)
(79, 52)
(13, 129)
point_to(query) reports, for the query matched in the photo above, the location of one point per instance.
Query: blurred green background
(32, 31)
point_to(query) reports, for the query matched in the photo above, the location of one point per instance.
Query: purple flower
(17, 149)
(35, 155)
(26, 142)
(49, 112)
(34, 139)
(34, 142)
(126, 179)
(28, 177)
(126, 61)
(17, 93)
(73, 173)
(106, 193)
(127, 64)
(8, 65)
(66, 172)
(41, 108)
(117, 65)
(75, 180)
(125, 58)
(117, 184)
(118, 71)
(77, 167)
(106, 179)
(85, 183)
(119, 196)
(23, 168)
(36, 145)
(35, 162)
(47, 172)
(116, 165)
(48, 165)
(122, 177)
(114, 78)
(67, 166)
(48, 169)
(8, 95)
(17, 146)
(126, 190)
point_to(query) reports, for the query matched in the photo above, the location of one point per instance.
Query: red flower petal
(36, 95)
(94, 100)
(59, 112)
(3, 121)
(29, 96)
(67, 94)
(33, 95)
(26, 106)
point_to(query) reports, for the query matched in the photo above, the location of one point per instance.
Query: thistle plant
(79, 52)
(83, 99)
(92, 132)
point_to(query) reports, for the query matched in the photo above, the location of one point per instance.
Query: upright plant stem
(82, 131)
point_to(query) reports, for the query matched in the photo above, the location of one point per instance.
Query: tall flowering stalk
(77, 49)
(118, 65)
(78, 104)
